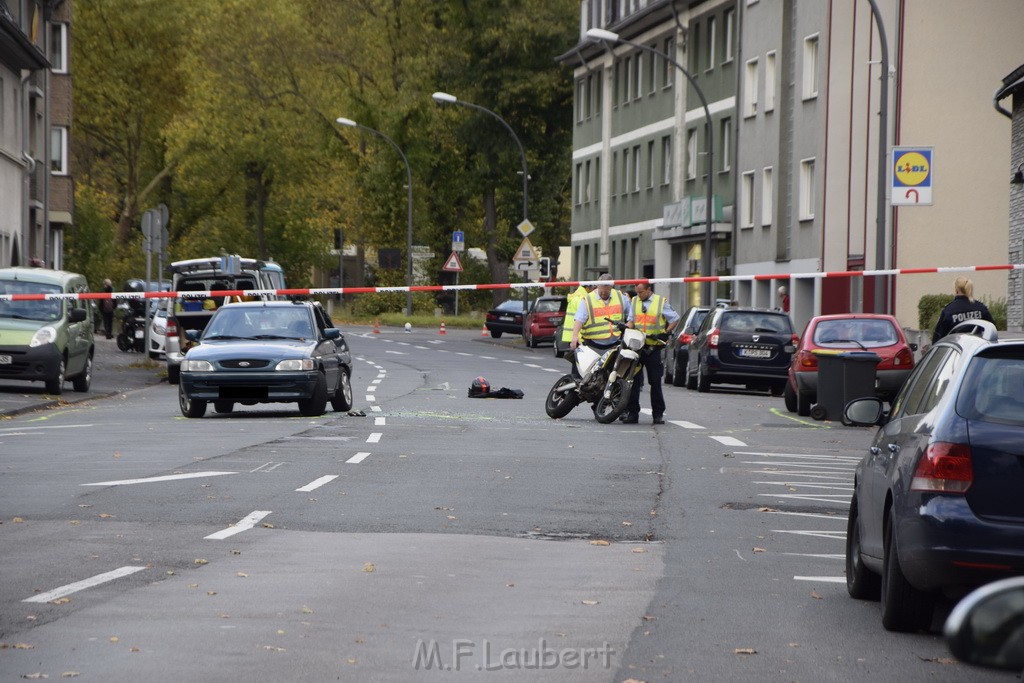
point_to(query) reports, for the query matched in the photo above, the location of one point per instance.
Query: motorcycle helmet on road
(479, 387)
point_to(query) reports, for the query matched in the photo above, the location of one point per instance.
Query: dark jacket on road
(957, 311)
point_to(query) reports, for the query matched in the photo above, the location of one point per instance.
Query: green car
(46, 340)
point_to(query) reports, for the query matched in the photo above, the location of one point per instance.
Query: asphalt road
(436, 537)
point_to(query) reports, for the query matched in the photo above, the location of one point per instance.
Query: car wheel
(703, 382)
(608, 409)
(55, 385)
(560, 403)
(173, 374)
(778, 388)
(223, 407)
(531, 341)
(496, 334)
(190, 407)
(679, 374)
(803, 404)
(861, 582)
(342, 399)
(82, 382)
(691, 380)
(317, 403)
(904, 608)
(789, 396)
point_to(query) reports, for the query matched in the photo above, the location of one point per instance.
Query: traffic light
(545, 268)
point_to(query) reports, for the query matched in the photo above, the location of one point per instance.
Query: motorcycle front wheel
(609, 408)
(560, 402)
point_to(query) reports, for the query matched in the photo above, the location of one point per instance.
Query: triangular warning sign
(526, 252)
(453, 264)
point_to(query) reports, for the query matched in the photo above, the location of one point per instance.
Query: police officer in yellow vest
(572, 305)
(653, 315)
(594, 322)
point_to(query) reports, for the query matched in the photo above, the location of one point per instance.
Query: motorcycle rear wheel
(559, 404)
(608, 409)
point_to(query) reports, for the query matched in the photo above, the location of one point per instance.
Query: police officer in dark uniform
(963, 307)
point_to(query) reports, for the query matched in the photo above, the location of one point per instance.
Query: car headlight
(196, 366)
(44, 335)
(294, 364)
(159, 328)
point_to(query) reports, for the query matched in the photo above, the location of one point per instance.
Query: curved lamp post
(408, 172)
(445, 98)
(613, 38)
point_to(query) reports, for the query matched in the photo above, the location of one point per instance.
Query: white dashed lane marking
(728, 441)
(83, 584)
(374, 437)
(379, 421)
(317, 483)
(684, 424)
(357, 458)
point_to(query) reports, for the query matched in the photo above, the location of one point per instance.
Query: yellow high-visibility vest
(597, 328)
(573, 303)
(652, 322)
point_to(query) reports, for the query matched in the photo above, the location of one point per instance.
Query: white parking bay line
(250, 520)
(728, 441)
(317, 483)
(83, 584)
(357, 458)
(822, 579)
(370, 398)
(150, 480)
(379, 421)
(371, 388)
(374, 437)
(685, 425)
(375, 409)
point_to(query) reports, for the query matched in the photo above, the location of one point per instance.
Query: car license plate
(505, 318)
(139, 334)
(6, 360)
(756, 353)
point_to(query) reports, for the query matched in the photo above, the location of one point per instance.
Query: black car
(506, 317)
(748, 346)
(937, 507)
(677, 351)
(267, 352)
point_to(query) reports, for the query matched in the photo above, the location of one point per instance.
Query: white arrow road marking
(317, 483)
(250, 520)
(357, 458)
(83, 584)
(150, 480)
(374, 437)
(728, 441)
(685, 425)
(822, 579)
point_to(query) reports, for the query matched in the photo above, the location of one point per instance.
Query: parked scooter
(132, 336)
(603, 379)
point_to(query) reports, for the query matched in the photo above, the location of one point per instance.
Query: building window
(587, 97)
(638, 77)
(726, 144)
(769, 81)
(750, 87)
(598, 92)
(59, 48)
(650, 165)
(628, 72)
(579, 183)
(811, 67)
(695, 67)
(747, 199)
(636, 168)
(730, 28)
(59, 150)
(767, 193)
(666, 160)
(691, 154)
(581, 95)
(586, 183)
(652, 71)
(807, 198)
(627, 169)
(597, 180)
(615, 178)
(712, 25)
(668, 75)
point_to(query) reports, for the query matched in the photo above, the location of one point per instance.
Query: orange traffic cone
(484, 332)
(442, 330)
(376, 327)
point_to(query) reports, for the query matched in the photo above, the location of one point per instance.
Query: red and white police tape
(514, 285)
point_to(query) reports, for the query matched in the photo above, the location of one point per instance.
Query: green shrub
(930, 306)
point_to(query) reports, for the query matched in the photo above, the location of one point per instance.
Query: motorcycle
(132, 336)
(603, 379)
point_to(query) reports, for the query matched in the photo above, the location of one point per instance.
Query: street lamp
(611, 37)
(881, 292)
(445, 98)
(408, 172)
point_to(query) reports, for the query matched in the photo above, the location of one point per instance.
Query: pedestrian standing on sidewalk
(963, 307)
(107, 309)
(653, 315)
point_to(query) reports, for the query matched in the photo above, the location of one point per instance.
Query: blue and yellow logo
(913, 168)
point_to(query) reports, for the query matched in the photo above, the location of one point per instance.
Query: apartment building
(1009, 102)
(36, 186)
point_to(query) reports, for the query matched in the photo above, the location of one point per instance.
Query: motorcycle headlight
(196, 366)
(44, 335)
(295, 364)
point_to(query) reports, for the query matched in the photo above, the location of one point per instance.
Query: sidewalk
(114, 372)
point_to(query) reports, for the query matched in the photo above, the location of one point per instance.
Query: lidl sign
(912, 175)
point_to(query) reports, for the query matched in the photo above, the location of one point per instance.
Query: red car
(880, 334)
(544, 321)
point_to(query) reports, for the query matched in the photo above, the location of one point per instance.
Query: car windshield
(259, 323)
(855, 333)
(30, 310)
(548, 305)
(993, 387)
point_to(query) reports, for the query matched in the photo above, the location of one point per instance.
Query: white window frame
(636, 168)
(59, 61)
(747, 199)
(627, 169)
(59, 145)
(807, 189)
(769, 81)
(579, 184)
(726, 147)
(730, 28)
(586, 182)
(751, 76)
(650, 165)
(767, 195)
(652, 72)
(666, 160)
(668, 74)
(691, 154)
(810, 63)
(712, 28)
(580, 97)
(638, 84)
(628, 92)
